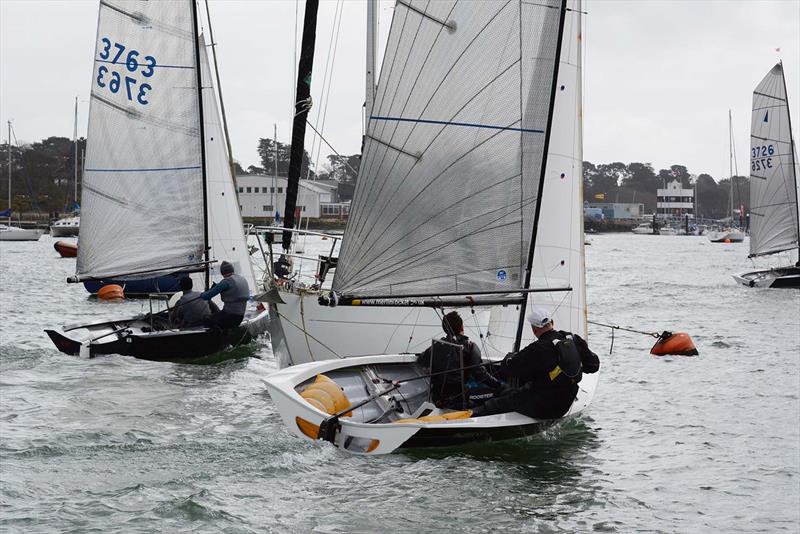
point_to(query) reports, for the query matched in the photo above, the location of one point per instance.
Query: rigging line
(330, 146)
(617, 327)
(384, 143)
(453, 123)
(396, 328)
(326, 82)
(439, 213)
(413, 327)
(449, 25)
(435, 92)
(305, 332)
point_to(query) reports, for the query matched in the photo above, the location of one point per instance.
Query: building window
(304, 208)
(241, 189)
(280, 190)
(255, 190)
(249, 189)
(272, 190)
(266, 208)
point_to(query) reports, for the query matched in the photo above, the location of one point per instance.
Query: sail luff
(793, 155)
(542, 175)
(302, 107)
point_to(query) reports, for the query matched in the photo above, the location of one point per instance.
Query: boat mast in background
(9, 172)
(75, 144)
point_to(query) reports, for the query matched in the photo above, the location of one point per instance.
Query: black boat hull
(779, 277)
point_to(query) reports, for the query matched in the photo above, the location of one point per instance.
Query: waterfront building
(674, 201)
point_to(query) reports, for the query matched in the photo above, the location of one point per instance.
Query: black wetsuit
(539, 395)
(448, 390)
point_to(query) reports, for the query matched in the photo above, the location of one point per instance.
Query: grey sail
(143, 187)
(773, 169)
(447, 194)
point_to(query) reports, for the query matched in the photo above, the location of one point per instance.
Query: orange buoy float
(678, 344)
(112, 292)
(727, 240)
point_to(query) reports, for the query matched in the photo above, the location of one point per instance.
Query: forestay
(142, 193)
(449, 181)
(773, 171)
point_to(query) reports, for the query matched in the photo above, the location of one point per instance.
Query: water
(702, 444)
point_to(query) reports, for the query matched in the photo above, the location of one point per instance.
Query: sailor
(448, 390)
(548, 370)
(234, 291)
(190, 310)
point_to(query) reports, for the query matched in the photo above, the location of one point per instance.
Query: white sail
(143, 188)
(449, 182)
(558, 257)
(226, 236)
(773, 171)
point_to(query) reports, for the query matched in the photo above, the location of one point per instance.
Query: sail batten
(773, 185)
(459, 215)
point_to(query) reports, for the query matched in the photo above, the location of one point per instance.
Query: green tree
(266, 149)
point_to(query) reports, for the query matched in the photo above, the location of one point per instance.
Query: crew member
(548, 371)
(448, 389)
(234, 291)
(190, 310)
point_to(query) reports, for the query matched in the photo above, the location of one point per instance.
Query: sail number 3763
(118, 54)
(760, 157)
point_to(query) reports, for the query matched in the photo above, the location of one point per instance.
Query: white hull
(779, 277)
(667, 231)
(641, 230)
(726, 236)
(356, 435)
(12, 233)
(304, 331)
(67, 227)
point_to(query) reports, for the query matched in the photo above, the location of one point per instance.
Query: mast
(8, 146)
(372, 31)
(202, 140)
(302, 106)
(794, 156)
(75, 143)
(275, 172)
(545, 148)
(730, 163)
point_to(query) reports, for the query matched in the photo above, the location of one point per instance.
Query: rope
(616, 327)
(282, 316)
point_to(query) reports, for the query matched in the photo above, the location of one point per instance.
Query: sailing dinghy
(159, 198)
(470, 195)
(773, 185)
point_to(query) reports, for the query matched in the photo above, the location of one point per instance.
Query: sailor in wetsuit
(548, 369)
(234, 291)
(448, 390)
(190, 310)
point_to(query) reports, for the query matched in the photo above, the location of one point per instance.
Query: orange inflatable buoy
(679, 344)
(111, 292)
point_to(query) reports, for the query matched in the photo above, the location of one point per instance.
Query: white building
(262, 196)
(674, 200)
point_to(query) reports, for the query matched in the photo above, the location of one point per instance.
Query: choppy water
(704, 444)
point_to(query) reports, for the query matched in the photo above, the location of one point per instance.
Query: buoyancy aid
(569, 368)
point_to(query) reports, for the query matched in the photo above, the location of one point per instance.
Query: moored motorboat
(66, 227)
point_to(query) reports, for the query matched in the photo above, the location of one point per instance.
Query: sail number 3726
(760, 157)
(117, 54)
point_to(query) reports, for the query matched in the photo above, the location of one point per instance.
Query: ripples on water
(676, 444)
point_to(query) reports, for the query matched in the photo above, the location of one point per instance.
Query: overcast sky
(660, 76)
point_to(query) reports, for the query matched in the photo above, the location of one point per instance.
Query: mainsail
(143, 186)
(450, 177)
(773, 169)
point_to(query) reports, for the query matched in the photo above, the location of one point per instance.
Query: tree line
(43, 172)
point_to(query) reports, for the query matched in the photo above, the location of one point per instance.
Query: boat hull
(139, 288)
(20, 234)
(779, 277)
(134, 337)
(304, 331)
(727, 236)
(373, 428)
(65, 249)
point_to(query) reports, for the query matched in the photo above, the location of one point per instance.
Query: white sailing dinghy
(730, 234)
(773, 185)
(159, 195)
(470, 195)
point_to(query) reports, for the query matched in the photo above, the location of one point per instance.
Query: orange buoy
(111, 292)
(727, 240)
(679, 344)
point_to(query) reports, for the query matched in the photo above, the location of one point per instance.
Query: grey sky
(660, 76)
